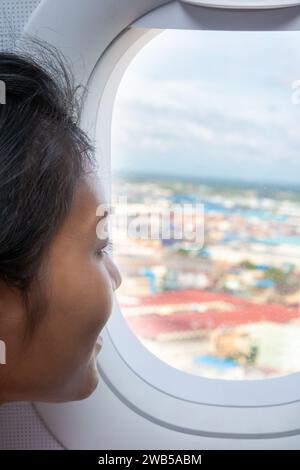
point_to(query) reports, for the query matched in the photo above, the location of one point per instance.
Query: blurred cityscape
(224, 308)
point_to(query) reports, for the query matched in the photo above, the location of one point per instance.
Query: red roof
(153, 324)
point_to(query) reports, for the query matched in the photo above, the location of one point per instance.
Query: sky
(211, 104)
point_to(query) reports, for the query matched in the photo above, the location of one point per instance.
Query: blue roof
(217, 362)
(264, 283)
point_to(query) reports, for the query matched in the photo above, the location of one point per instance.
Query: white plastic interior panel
(181, 15)
(162, 407)
(13, 17)
(21, 428)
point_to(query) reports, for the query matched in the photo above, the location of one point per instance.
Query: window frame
(128, 366)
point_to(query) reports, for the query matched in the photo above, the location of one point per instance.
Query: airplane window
(206, 194)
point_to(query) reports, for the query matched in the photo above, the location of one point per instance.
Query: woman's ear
(10, 305)
(12, 319)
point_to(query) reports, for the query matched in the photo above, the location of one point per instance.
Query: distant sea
(242, 184)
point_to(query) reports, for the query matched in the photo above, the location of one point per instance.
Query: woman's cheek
(99, 299)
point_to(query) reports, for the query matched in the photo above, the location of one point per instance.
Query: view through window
(206, 139)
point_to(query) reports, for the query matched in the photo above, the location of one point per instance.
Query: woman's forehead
(88, 207)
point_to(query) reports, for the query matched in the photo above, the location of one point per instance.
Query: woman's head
(56, 281)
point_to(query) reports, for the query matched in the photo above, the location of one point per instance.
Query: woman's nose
(114, 273)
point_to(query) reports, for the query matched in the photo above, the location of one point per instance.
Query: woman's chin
(88, 381)
(81, 386)
(91, 381)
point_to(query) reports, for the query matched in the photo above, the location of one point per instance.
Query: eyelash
(107, 249)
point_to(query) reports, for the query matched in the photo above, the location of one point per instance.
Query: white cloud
(164, 114)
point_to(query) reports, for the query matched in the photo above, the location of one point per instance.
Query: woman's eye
(101, 252)
(106, 250)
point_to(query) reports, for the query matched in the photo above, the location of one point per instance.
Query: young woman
(56, 276)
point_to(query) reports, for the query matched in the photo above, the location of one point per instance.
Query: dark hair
(43, 154)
